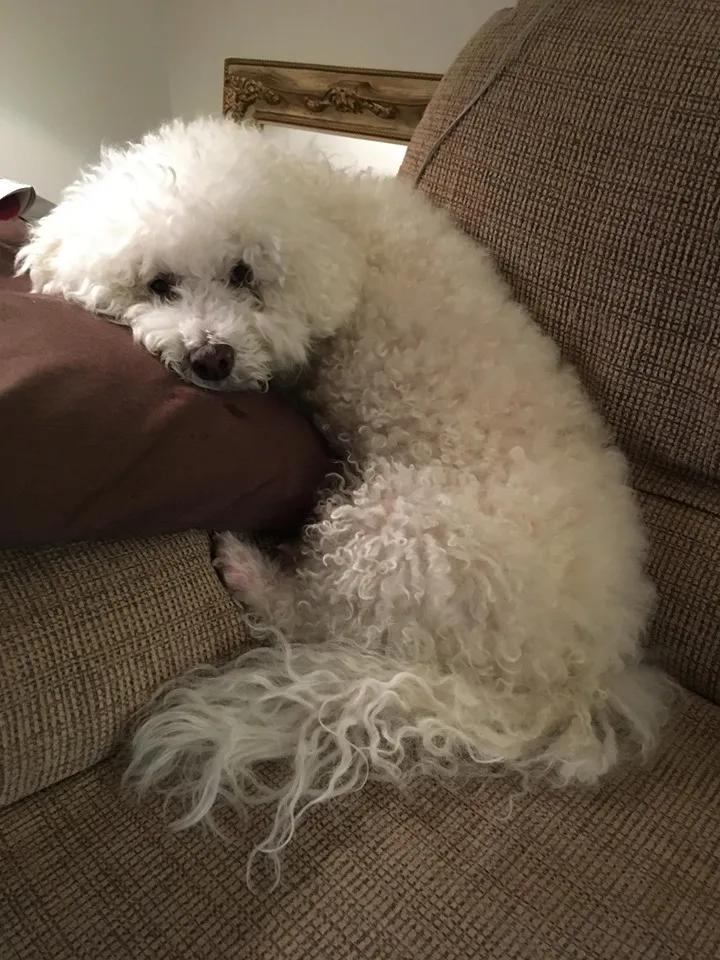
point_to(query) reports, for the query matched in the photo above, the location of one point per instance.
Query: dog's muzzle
(212, 362)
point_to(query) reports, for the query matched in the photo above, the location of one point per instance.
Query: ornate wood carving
(241, 93)
(362, 103)
(347, 101)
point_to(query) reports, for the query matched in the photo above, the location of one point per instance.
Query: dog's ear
(56, 268)
(36, 257)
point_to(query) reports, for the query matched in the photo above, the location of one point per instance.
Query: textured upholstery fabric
(629, 873)
(87, 633)
(590, 169)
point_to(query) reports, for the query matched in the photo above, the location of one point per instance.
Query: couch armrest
(87, 633)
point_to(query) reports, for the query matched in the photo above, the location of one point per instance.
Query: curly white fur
(474, 592)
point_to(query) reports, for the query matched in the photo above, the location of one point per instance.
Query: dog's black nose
(212, 361)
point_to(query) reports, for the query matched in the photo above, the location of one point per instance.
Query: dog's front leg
(262, 585)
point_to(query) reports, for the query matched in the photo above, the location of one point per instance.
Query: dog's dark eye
(241, 275)
(163, 286)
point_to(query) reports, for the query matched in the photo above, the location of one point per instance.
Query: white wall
(75, 73)
(421, 35)
(348, 152)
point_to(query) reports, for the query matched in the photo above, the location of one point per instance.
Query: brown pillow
(98, 439)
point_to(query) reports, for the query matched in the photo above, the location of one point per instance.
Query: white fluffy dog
(473, 592)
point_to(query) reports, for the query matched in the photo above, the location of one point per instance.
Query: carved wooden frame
(373, 104)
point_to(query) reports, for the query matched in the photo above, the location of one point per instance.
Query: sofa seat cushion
(630, 872)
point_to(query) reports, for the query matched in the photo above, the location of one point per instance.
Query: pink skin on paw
(244, 569)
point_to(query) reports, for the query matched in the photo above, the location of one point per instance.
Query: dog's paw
(245, 569)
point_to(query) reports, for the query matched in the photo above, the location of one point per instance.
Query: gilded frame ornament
(372, 104)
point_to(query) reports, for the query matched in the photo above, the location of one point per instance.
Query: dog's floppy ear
(37, 255)
(57, 268)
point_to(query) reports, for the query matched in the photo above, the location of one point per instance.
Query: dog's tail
(336, 716)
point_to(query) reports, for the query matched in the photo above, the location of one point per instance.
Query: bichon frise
(473, 591)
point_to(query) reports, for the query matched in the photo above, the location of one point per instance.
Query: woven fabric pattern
(590, 169)
(87, 634)
(628, 873)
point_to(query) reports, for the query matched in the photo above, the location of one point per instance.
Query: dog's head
(226, 256)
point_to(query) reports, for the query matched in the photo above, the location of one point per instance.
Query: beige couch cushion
(629, 873)
(590, 169)
(87, 633)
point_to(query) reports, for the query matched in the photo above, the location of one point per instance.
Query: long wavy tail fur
(337, 717)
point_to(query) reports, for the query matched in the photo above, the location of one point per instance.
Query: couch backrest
(591, 169)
